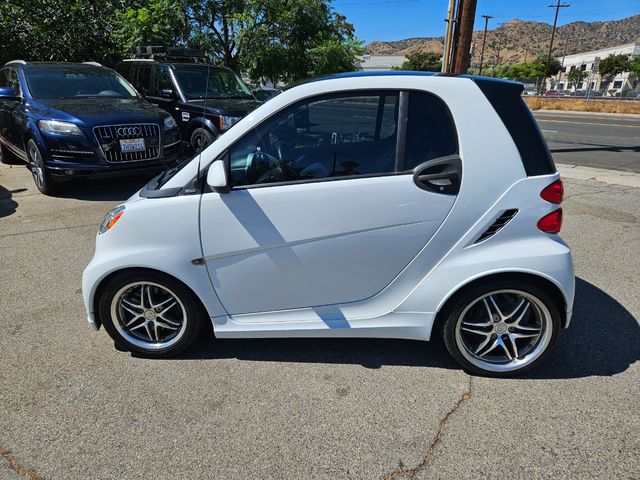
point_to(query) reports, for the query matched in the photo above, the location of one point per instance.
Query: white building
(371, 63)
(588, 62)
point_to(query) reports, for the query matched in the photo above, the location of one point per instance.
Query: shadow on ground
(99, 190)
(8, 205)
(603, 339)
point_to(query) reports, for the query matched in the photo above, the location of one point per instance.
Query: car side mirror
(167, 93)
(217, 177)
(8, 93)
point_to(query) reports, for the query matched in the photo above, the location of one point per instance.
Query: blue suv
(73, 120)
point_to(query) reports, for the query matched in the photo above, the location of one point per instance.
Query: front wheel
(150, 313)
(41, 177)
(502, 328)
(201, 138)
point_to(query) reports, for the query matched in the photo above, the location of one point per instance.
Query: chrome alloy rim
(37, 167)
(504, 330)
(148, 315)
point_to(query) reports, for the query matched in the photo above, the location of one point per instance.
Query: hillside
(512, 41)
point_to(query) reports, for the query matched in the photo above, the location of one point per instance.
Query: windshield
(221, 84)
(77, 82)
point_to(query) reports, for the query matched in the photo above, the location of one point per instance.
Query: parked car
(75, 120)
(358, 205)
(204, 100)
(553, 93)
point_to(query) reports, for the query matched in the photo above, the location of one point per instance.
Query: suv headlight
(169, 123)
(56, 126)
(111, 218)
(226, 123)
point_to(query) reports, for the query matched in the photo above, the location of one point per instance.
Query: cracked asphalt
(73, 407)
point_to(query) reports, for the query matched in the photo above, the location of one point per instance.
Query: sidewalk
(613, 177)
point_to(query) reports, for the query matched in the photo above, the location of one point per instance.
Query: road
(73, 407)
(604, 141)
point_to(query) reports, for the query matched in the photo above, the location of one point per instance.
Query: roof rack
(19, 62)
(174, 54)
(95, 64)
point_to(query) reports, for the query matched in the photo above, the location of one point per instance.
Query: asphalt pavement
(594, 140)
(73, 407)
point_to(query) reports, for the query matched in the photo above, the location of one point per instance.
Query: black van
(204, 100)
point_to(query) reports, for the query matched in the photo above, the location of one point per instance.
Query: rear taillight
(553, 193)
(552, 222)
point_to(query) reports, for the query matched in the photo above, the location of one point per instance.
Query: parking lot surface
(73, 407)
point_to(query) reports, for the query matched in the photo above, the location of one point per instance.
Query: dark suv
(79, 119)
(204, 100)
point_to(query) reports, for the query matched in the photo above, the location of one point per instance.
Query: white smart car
(395, 204)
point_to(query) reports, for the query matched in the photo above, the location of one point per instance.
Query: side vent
(497, 225)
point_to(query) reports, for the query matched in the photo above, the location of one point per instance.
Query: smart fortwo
(395, 205)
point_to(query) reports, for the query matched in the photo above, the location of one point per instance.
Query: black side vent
(496, 226)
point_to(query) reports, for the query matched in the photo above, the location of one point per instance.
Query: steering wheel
(263, 166)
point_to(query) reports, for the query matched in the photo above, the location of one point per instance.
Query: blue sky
(398, 19)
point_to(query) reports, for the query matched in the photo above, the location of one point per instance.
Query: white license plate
(132, 145)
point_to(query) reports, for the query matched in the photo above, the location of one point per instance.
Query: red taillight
(552, 222)
(553, 193)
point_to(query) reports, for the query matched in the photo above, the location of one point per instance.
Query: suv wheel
(502, 328)
(7, 157)
(201, 138)
(150, 313)
(41, 177)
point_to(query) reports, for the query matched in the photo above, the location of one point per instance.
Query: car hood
(232, 107)
(102, 111)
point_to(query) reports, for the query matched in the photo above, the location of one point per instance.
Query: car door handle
(440, 175)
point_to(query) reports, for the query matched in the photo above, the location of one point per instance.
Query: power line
(557, 6)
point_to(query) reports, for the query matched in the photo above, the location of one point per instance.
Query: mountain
(516, 40)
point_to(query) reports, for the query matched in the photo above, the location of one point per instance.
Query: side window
(143, 79)
(9, 78)
(162, 80)
(334, 135)
(430, 130)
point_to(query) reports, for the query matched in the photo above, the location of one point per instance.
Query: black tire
(41, 177)
(194, 320)
(7, 157)
(454, 310)
(201, 138)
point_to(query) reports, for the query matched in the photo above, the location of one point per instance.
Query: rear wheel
(502, 328)
(150, 313)
(201, 138)
(41, 177)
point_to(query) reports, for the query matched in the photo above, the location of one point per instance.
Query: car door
(11, 114)
(322, 210)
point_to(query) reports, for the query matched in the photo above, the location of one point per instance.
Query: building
(372, 63)
(588, 62)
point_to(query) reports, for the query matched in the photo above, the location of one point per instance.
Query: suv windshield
(76, 82)
(221, 83)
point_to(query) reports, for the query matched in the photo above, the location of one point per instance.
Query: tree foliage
(576, 76)
(614, 65)
(423, 62)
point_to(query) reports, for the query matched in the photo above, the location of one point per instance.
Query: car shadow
(8, 205)
(106, 189)
(602, 340)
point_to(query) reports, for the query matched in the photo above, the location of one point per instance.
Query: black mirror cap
(167, 93)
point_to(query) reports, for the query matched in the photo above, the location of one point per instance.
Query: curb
(613, 177)
(577, 112)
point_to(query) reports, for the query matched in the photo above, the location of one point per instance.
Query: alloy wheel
(36, 164)
(504, 330)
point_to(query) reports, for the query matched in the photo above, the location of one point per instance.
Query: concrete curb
(613, 177)
(589, 114)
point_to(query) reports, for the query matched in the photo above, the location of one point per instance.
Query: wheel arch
(103, 282)
(201, 122)
(543, 282)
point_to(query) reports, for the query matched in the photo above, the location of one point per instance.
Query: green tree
(614, 65)
(155, 22)
(422, 62)
(576, 76)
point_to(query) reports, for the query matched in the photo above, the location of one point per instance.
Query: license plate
(132, 145)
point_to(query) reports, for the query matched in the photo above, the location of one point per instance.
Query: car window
(163, 80)
(9, 78)
(336, 135)
(143, 79)
(208, 82)
(71, 81)
(430, 130)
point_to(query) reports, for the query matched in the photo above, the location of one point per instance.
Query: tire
(7, 157)
(125, 308)
(201, 138)
(42, 179)
(501, 328)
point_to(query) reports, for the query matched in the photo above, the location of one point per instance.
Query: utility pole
(557, 6)
(465, 17)
(446, 54)
(484, 39)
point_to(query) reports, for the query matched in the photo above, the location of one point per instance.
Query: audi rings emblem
(129, 131)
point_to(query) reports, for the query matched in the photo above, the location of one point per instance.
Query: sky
(398, 19)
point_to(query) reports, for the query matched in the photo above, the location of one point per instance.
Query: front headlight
(56, 126)
(169, 123)
(111, 218)
(226, 123)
